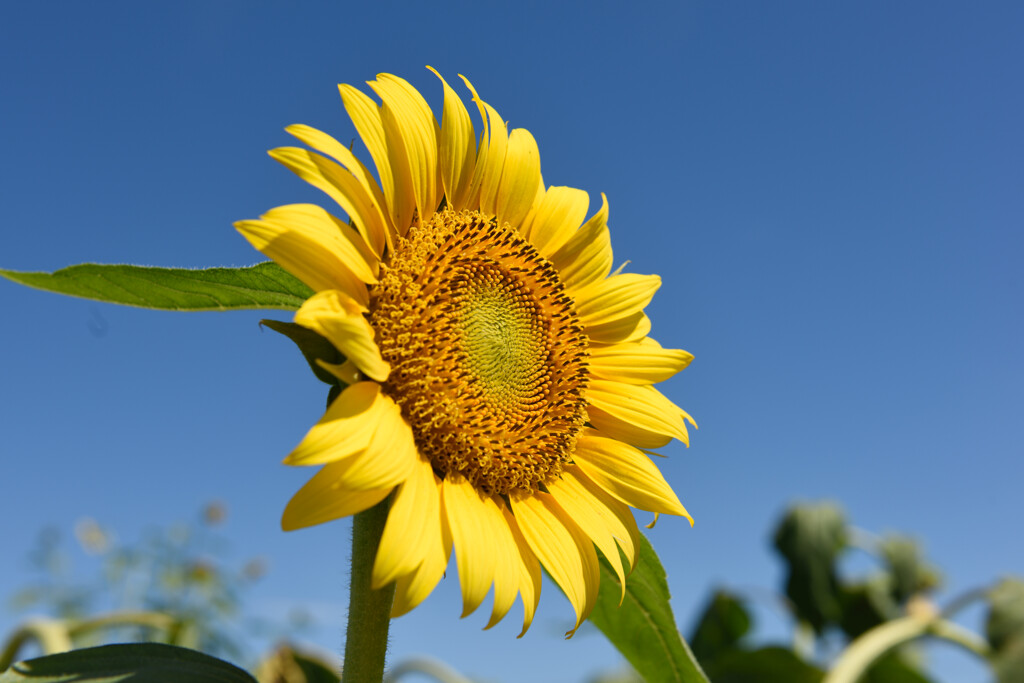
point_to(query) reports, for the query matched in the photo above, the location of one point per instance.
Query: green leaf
(810, 538)
(867, 604)
(135, 663)
(1004, 628)
(1009, 664)
(265, 285)
(313, 348)
(724, 622)
(892, 668)
(766, 664)
(643, 628)
(910, 571)
(1005, 620)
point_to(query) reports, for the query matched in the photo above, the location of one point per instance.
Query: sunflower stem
(369, 611)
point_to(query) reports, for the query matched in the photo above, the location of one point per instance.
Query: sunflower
(498, 378)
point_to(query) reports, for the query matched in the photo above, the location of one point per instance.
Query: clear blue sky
(832, 192)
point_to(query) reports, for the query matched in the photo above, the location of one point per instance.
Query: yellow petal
(637, 363)
(310, 217)
(617, 515)
(409, 129)
(626, 473)
(644, 406)
(587, 256)
(614, 298)
(340, 320)
(365, 115)
(582, 508)
(474, 553)
(326, 497)
(529, 572)
(346, 372)
(345, 429)
(625, 431)
(380, 226)
(555, 220)
(412, 589)
(490, 156)
(456, 149)
(390, 456)
(306, 241)
(507, 561)
(340, 185)
(563, 549)
(632, 328)
(519, 177)
(407, 533)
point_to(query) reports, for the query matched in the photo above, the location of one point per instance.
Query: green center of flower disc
(488, 358)
(504, 343)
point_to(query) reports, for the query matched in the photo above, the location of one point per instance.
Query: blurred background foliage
(173, 585)
(176, 585)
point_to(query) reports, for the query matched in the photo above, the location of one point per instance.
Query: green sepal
(334, 393)
(149, 662)
(313, 348)
(644, 629)
(264, 285)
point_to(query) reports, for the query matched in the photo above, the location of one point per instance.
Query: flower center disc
(488, 358)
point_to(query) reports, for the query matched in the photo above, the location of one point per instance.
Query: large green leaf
(810, 537)
(135, 663)
(644, 628)
(265, 285)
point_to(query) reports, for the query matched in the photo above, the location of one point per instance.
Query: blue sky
(831, 192)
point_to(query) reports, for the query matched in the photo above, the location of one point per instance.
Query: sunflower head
(498, 378)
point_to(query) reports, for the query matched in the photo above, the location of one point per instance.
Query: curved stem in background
(865, 650)
(863, 540)
(965, 599)
(51, 634)
(803, 640)
(154, 620)
(965, 638)
(429, 667)
(369, 611)
(57, 635)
